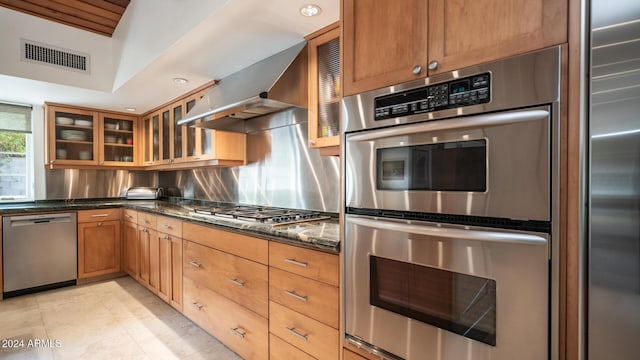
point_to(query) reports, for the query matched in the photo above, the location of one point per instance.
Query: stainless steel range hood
(273, 84)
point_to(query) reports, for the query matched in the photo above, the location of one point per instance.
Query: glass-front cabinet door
(118, 140)
(166, 145)
(324, 89)
(73, 136)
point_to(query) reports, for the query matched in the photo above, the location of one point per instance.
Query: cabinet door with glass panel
(324, 88)
(72, 135)
(151, 138)
(118, 140)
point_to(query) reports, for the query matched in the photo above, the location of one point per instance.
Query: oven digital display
(467, 91)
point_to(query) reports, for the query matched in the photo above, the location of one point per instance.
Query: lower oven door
(420, 290)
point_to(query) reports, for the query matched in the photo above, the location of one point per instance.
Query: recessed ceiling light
(180, 80)
(310, 10)
(130, 109)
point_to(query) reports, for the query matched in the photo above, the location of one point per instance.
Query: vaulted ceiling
(99, 16)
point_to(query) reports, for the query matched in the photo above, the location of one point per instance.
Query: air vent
(51, 55)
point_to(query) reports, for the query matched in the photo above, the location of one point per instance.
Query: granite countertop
(321, 234)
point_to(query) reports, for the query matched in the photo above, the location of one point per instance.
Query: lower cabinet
(99, 250)
(169, 234)
(304, 302)
(130, 248)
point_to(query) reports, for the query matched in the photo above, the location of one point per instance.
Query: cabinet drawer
(242, 330)
(313, 264)
(98, 215)
(311, 336)
(147, 220)
(282, 350)
(245, 246)
(130, 215)
(309, 297)
(169, 226)
(241, 280)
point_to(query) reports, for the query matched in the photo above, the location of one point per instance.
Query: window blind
(15, 118)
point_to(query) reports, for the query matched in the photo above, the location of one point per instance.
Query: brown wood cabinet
(304, 301)
(386, 43)
(225, 282)
(169, 233)
(98, 242)
(85, 137)
(324, 88)
(130, 243)
(148, 252)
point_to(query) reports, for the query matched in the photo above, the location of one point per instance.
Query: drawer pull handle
(129, 216)
(294, 295)
(297, 334)
(99, 215)
(166, 237)
(296, 262)
(237, 282)
(197, 305)
(239, 331)
(166, 226)
(195, 264)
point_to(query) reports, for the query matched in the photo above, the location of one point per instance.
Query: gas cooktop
(258, 214)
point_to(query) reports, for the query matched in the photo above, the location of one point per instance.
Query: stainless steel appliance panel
(614, 179)
(518, 81)
(38, 250)
(517, 165)
(80, 183)
(516, 261)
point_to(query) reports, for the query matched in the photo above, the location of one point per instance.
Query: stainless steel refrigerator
(613, 294)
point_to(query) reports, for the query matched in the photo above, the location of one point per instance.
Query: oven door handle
(474, 235)
(450, 124)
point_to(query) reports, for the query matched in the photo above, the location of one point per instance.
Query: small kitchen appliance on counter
(144, 193)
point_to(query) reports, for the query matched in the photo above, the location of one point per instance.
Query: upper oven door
(492, 165)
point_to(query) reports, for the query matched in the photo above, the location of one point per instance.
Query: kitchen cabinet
(169, 232)
(130, 243)
(81, 137)
(225, 280)
(148, 248)
(324, 89)
(304, 301)
(98, 242)
(387, 43)
(170, 146)
(1, 288)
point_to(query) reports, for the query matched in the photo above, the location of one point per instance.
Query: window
(16, 149)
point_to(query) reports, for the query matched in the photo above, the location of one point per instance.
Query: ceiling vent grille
(46, 54)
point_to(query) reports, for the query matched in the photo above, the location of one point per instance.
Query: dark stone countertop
(321, 235)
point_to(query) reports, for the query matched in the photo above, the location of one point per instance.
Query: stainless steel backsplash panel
(77, 184)
(282, 171)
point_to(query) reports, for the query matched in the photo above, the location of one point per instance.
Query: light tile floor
(115, 319)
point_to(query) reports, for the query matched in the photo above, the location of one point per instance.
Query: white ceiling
(155, 41)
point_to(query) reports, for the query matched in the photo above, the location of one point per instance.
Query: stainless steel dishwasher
(40, 252)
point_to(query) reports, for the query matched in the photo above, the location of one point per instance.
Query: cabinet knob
(312, 142)
(417, 69)
(433, 65)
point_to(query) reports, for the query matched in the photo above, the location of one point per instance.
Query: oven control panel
(457, 93)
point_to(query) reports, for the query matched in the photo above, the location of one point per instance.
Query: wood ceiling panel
(99, 16)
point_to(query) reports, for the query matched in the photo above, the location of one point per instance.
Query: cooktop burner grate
(260, 214)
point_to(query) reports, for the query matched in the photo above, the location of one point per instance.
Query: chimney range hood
(276, 83)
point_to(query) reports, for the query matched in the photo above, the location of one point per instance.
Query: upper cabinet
(169, 145)
(324, 89)
(394, 42)
(84, 137)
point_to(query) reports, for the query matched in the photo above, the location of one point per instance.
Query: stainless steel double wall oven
(451, 213)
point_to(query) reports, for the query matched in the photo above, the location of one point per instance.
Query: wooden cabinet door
(72, 136)
(175, 294)
(154, 261)
(384, 42)
(143, 255)
(164, 266)
(130, 258)
(98, 248)
(469, 32)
